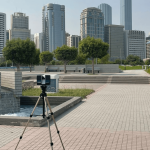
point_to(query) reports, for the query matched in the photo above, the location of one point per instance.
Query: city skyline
(139, 13)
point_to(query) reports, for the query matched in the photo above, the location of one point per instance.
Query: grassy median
(131, 67)
(62, 92)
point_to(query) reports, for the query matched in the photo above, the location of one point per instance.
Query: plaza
(115, 117)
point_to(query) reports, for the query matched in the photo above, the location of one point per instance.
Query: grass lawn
(131, 67)
(148, 71)
(62, 92)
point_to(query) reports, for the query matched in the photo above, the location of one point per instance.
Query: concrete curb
(39, 121)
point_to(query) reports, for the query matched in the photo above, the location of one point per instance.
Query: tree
(147, 62)
(65, 54)
(80, 59)
(30, 52)
(46, 57)
(20, 52)
(118, 61)
(14, 51)
(104, 60)
(93, 48)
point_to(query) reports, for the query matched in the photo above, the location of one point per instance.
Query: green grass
(62, 92)
(131, 67)
(148, 71)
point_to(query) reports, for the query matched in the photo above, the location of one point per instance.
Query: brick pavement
(115, 117)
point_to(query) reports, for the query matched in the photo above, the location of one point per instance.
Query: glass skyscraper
(107, 11)
(92, 23)
(53, 24)
(126, 14)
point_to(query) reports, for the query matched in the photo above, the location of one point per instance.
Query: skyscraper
(73, 40)
(114, 36)
(126, 14)
(38, 41)
(53, 23)
(19, 26)
(92, 23)
(107, 11)
(2, 31)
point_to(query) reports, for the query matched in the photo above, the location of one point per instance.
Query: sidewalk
(115, 117)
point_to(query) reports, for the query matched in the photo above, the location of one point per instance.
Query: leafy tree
(80, 59)
(93, 48)
(65, 54)
(14, 51)
(147, 62)
(46, 57)
(30, 52)
(20, 51)
(117, 61)
(105, 59)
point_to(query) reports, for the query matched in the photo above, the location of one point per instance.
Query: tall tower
(2, 31)
(126, 14)
(107, 11)
(53, 23)
(92, 23)
(19, 26)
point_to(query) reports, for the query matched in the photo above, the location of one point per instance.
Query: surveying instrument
(44, 80)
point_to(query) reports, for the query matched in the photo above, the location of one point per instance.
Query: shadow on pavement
(64, 114)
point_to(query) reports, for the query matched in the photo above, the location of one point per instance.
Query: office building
(148, 46)
(7, 35)
(126, 14)
(107, 11)
(73, 40)
(92, 23)
(135, 43)
(53, 23)
(32, 37)
(67, 35)
(38, 41)
(2, 31)
(19, 26)
(114, 36)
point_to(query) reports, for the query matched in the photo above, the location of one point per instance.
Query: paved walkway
(115, 117)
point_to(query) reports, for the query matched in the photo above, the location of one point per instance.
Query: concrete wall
(12, 81)
(9, 103)
(15, 69)
(104, 68)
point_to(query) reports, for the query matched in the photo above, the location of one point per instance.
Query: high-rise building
(53, 23)
(107, 11)
(114, 36)
(92, 23)
(135, 43)
(148, 46)
(2, 31)
(73, 40)
(19, 26)
(67, 35)
(7, 35)
(32, 37)
(38, 41)
(126, 14)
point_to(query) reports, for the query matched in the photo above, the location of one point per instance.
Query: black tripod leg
(28, 122)
(47, 116)
(54, 121)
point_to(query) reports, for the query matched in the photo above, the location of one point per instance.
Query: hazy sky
(73, 9)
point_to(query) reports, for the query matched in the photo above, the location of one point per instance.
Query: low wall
(39, 121)
(12, 81)
(53, 100)
(9, 103)
(15, 69)
(104, 68)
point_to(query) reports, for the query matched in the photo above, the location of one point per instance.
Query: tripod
(45, 100)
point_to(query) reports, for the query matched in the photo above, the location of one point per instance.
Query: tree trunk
(65, 67)
(18, 67)
(92, 65)
(30, 67)
(45, 67)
